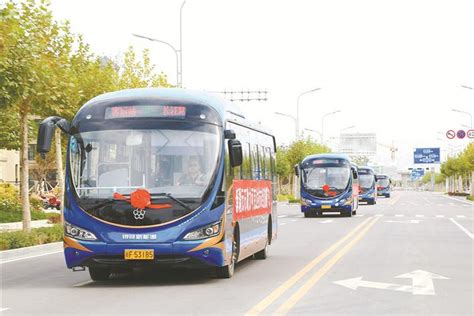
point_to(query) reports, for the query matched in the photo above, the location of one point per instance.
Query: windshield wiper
(168, 195)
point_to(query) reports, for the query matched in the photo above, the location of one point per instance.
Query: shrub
(294, 200)
(38, 236)
(470, 197)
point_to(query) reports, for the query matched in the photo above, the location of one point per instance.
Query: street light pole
(298, 109)
(345, 129)
(314, 131)
(322, 123)
(294, 119)
(178, 52)
(180, 82)
(459, 111)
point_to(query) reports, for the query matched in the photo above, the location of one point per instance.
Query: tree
(34, 61)
(360, 160)
(140, 74)
(298, 150)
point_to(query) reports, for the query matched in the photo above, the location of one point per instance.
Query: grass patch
(38, 236)
(470, 197)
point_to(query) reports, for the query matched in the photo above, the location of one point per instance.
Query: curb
(30, 252)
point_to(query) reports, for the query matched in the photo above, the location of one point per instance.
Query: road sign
(470, 133)
(417, 173)
(422, 283)
(427, 155)
(450, 134)
(461, 134)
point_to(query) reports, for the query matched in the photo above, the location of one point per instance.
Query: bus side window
(263, 166)
(246, 170)
(269, 168)
(255, 163)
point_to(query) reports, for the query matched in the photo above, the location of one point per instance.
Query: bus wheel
(347, 214)
(99, 273)
(226, 272)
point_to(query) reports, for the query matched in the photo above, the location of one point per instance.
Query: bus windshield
(383, 182)
(366, 179)
(180, 162)
(325, 178)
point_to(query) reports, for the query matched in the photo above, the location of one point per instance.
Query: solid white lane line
(440, 216)
(462, 228)
(399, 215)
(282, 216)
(359, 215)
(281, 224)
(30, 257)
(419, 215)
(294, 220)
(83, 283)
(2, 309)
(460, 201)
(378, 215)
(460, 216)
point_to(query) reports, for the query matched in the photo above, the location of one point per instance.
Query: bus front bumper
(179, 254)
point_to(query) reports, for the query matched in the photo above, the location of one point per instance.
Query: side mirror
(235, 152)
(297, 170)
(46, 132)
(355, 175)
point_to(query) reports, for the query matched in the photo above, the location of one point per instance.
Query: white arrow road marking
(326, 221)
(410, 221)
(355, 283)
(422, 283)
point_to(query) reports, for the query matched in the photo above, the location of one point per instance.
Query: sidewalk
(19, 225)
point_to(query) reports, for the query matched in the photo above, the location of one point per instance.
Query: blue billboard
(427, 155)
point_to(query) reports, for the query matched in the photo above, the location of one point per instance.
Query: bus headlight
(305, 202)
(78, 232)
(204, 232)
(347, 201)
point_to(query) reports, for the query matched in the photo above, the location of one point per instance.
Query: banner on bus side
(251, 198)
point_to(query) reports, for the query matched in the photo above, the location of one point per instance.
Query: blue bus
(329, 183)
(384, 185)
(164, 177)
(367, 185)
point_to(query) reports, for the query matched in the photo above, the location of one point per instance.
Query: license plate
(139, 254)
(325, 206)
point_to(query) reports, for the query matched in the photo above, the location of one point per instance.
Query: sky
(394, 68)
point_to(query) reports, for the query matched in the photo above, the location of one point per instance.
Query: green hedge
(470, 197)
(16, 216)
(38, 236)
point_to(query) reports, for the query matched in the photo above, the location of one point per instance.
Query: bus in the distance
(367, 184)
(329, 183)
(164, 177)
(384, 185)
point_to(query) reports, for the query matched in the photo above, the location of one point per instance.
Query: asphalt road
(411, 254)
